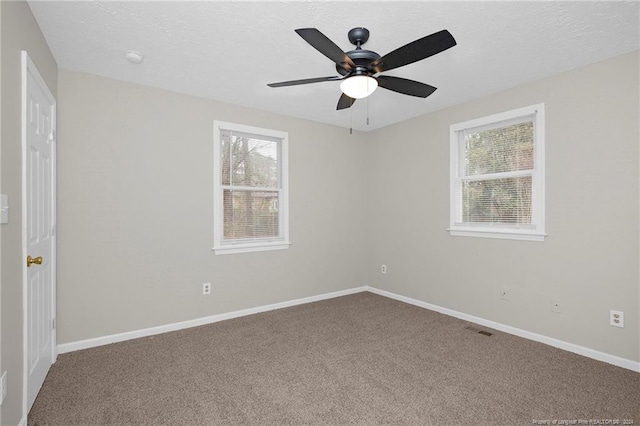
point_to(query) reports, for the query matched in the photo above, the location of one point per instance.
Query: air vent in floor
(478, 330)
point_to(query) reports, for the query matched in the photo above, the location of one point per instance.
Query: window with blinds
(250, 189)
(497, 175)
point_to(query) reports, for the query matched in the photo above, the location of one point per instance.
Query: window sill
(251, 247)
(499, 234)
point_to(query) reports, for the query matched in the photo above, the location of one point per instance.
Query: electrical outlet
(383, 269)
(504, 293)
(616, 318)
(206, 288)
(556, 306)
(3, 387)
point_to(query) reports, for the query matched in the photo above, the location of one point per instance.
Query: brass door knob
(36, 260)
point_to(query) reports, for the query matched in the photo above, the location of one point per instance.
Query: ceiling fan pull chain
(351, 121)
(367, 111)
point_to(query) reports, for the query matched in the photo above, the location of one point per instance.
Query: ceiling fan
(359, 69)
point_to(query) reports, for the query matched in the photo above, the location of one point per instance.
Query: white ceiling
(229, 51)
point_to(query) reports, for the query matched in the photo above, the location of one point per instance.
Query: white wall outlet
(616, 318)
(556, 306)
(3, 387)
(504, 293)
(383, 269)
(206, 288)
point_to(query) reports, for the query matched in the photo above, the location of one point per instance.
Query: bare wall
(590, 258)
(135, 206)
(19, 32)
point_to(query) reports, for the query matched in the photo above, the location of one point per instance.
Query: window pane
(254, 162)
(250, 214)
(497, 201)
(503, 149)
(225, 160)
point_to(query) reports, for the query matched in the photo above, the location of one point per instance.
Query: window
(497, 176)
(250, 189)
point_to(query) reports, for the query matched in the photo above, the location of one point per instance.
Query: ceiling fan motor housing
(363, 60)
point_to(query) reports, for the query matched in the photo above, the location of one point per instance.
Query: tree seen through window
(250, 181)
(490, 197)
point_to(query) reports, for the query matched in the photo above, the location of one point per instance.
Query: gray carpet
(360, 360)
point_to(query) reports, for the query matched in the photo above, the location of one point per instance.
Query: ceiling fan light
(359, 86)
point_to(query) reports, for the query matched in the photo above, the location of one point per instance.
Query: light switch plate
(3, 387)
(4, 208)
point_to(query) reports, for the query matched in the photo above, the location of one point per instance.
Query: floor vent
(478, 330)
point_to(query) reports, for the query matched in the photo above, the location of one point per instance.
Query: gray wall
(135, 206)
(590, 257)
(1, 365)
(18, 31)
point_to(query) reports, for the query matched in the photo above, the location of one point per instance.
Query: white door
(38, 121)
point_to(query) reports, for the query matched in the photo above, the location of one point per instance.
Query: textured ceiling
(229, 51)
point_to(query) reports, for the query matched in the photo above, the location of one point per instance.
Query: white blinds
(497, 201)
(498, 150)
(496, 171)
(251, 183)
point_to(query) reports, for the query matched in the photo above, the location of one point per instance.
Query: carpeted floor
(359, 360)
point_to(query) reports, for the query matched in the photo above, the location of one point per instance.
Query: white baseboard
(129, 335)
(580, 350)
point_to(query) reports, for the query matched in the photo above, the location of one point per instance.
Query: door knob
(36, 260)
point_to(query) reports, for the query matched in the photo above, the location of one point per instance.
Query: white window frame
(533, 232)
(259, 244)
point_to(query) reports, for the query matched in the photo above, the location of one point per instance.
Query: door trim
(28, 67)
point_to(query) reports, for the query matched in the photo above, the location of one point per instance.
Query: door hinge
(53, 231)
(53, 324)
(52, 135)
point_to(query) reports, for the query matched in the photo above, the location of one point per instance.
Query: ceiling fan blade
(305, 81)
(415, 51)
(325, 46)
(345, 102)
(405, 86)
